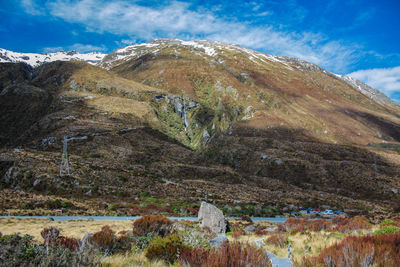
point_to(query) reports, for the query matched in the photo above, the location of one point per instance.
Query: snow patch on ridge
(35, 59)
(366, 90)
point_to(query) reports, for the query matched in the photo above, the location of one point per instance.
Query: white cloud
(178, 20)
(31, 7)
(53, 49)
(82, 48)
(386, 80)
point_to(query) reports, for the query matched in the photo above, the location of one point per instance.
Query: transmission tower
(64, 167)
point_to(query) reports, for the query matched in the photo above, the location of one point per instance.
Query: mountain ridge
(210, 48)
(36, 59)
(273, 134)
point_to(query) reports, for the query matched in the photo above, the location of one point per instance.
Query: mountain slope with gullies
(157, 127)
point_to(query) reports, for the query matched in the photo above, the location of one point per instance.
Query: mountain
(157, 127)
(34, 60)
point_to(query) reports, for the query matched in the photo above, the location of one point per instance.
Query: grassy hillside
(162, 130)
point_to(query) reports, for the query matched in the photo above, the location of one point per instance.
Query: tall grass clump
(358, 251)
(228, 255)
(300, 225)
(352, 224)
(278, 240)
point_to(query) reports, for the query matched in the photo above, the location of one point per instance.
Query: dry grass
(73, 228)
(310, 243)
(129, 259)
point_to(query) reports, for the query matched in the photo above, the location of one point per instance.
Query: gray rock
(245, 76)
(212, 217)
(249, 229)
(36, 182)
(395, 190)
(219, 240)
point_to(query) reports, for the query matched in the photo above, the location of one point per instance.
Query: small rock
(36, 182)
(395, 191)
(249, 229)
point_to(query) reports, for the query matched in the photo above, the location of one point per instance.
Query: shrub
(104, 240)
(50, 235)
(387, 229)
(352, 224)
(21, 251)
(388, 222)
(229, 254)
(155, 224)
(278, 240)
(166, 248)
(72, 244)
(296, 225)
(141, 242)
(291, 222)
(17, 251)
(319, 225)
(380, 250)
(124, 242)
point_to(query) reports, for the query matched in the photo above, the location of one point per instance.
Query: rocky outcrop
(212, 217)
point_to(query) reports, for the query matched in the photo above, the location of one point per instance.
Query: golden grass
(120, 105)
(131, 259)
(310, 243)
(73, 228)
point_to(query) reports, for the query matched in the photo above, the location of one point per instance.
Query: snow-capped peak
(34, 59)
(201, 47)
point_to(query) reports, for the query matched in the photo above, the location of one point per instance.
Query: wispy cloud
(83, 48)
(386, 80)
(179, 20)
(31, 7)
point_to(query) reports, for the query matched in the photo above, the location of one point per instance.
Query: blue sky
(355, 37)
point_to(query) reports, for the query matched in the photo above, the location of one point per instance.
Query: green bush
(17, 251)
(142, 242)
(388, 229)
(166, 248)
(387, 222)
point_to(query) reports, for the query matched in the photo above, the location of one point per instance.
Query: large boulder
(212, 217)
